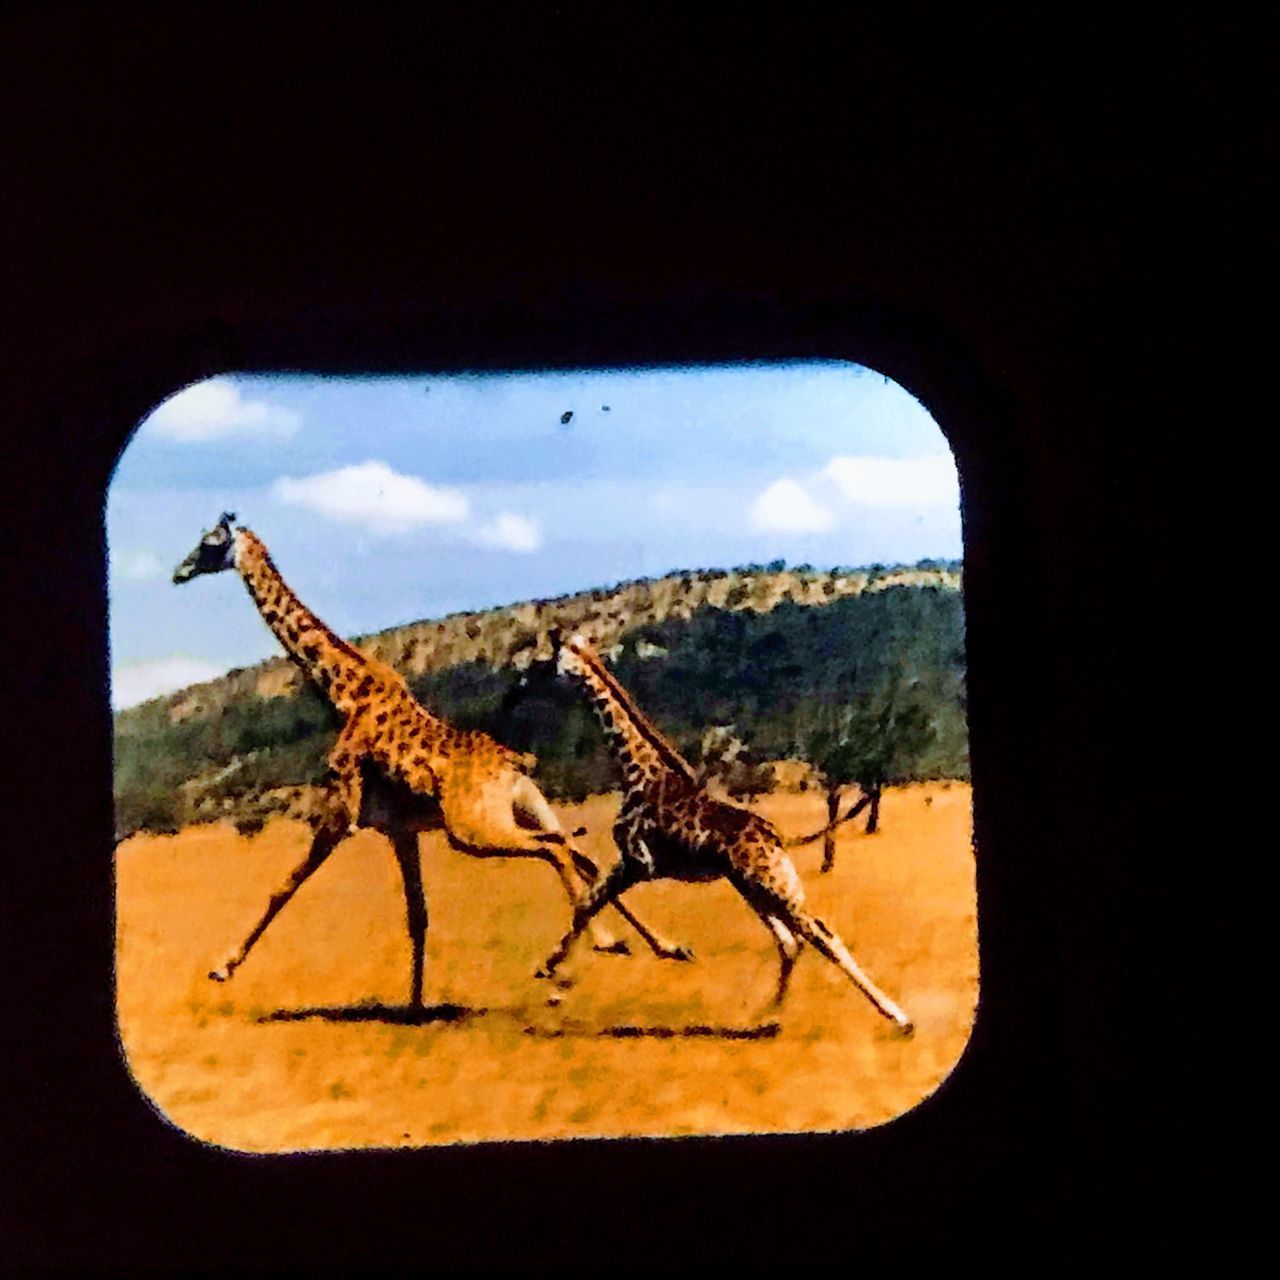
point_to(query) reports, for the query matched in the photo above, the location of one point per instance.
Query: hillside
(768, 650)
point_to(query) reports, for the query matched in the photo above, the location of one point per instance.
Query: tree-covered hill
(781, 677)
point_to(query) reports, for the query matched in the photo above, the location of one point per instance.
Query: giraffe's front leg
(405, 844)
(659, 945)
(637, 854)
(323, 843)
(348, 780)
(619, 878)
(577, 873)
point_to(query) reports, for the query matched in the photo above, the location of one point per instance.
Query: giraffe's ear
(228, 518)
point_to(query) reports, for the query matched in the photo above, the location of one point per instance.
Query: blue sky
(392, 499)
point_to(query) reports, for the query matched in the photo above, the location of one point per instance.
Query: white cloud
(136, 566)
(511, 533)
(897, 482)
(216, 409)
(138, 681)
(373, 495)
(786, 507)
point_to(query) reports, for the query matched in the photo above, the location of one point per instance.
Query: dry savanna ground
(310, 1046)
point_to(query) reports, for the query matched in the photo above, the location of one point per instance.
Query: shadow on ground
(626, 1031)
(398, 1014)
(428, 1015)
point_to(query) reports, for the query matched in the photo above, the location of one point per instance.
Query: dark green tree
(875, 741)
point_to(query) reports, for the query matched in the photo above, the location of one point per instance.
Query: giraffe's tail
(794, 842)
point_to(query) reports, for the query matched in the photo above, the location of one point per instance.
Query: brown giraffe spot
(380, 718)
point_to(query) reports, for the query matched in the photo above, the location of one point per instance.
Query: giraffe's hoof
(618, 947)
(559, 979)
(906, 1029)
(678, 953)
(219, 975)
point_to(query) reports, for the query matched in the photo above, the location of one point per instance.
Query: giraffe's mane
(260, 549)
(644, 726)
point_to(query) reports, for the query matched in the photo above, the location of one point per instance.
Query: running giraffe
(669, 826)
(426, 774)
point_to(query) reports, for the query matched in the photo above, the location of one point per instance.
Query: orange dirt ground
(310, 1045)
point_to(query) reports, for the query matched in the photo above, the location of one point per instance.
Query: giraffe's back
(477, 745)
(694, 836)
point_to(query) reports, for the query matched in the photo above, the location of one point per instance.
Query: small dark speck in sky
(566, 417)
(604, 408)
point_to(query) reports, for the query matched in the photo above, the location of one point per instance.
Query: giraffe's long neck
(335, 666)
(645, 755)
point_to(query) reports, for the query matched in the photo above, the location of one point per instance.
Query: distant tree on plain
(875, 741)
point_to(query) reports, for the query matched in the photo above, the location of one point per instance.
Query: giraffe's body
(670, 826)
(395, 766)
(383, 723)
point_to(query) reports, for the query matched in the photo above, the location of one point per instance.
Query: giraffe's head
(215, 552)
(568, 651)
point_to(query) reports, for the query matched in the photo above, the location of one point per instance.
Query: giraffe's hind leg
(780, 904)
(530, 807)
(788, 951)
(825, 941)
(774, 914)
(486, 823)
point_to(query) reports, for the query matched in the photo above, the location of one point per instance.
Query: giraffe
(670, 826)
(397, 768)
